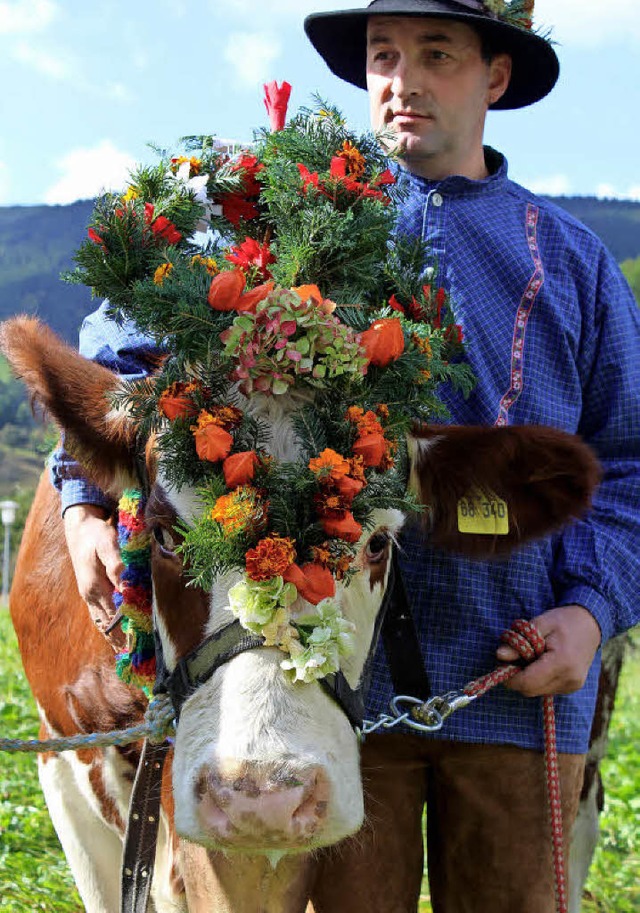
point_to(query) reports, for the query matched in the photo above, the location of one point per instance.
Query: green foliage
(312, 204)
(631, 269)
(33, 871)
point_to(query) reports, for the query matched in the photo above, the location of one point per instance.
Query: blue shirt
(553, 335)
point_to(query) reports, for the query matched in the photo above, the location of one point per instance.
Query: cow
(264, 772)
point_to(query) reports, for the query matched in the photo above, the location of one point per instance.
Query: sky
(88, 84)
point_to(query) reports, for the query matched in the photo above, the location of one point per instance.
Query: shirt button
(437, 200)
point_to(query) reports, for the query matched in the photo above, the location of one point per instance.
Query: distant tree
(631, 269)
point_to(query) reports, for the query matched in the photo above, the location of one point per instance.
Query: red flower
(251, 167)
(454, 333)
(312, 581)
(250, 300)
(175, 402)
(251, 254)
(395, 304)
(213, 443)
(276, 99)
(345, 527)
(383, 342)
(385, 178)
(225, 290)
(166, 230)
(236, 207)
(95, 237)
(371, 447)
(441, 297)
(308, 177)
(240, 468)
(348, 488)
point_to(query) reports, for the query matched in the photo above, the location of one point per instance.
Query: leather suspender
(400, 640)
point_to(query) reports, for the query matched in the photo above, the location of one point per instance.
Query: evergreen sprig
(313, 204)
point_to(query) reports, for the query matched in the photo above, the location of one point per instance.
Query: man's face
(429, 84)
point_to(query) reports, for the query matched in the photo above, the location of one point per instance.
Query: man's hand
(572, 637)
(93, 546)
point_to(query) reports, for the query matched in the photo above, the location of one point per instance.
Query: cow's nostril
(261, 807)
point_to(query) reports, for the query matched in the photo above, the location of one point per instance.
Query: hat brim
(341, 40)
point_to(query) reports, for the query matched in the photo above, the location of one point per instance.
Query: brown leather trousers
(488, 832)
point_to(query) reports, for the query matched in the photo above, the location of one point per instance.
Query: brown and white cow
(261, 766)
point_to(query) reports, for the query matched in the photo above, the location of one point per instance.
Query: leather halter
(394, 623)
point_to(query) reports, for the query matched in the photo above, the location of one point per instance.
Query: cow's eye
(376, 548)
(165, 540)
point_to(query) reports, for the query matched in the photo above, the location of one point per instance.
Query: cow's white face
(262, 763)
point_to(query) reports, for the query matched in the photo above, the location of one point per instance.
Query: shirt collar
(456, 184)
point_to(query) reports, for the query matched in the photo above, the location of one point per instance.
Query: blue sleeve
(122, 348)
(598, 559)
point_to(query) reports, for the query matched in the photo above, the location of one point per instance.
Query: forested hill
(37, 244)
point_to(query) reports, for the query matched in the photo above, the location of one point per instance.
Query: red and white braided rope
(525, 638)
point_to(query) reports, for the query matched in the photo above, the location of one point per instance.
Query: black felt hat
(341, 39)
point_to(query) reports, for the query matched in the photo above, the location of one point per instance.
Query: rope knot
(159, 719)
(525, 639)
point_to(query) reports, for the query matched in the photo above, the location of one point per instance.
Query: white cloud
(87, 172)
(41, 61)
(23, 16)
(251, 55)
(555, 185)
(589, 22)
(608, 191)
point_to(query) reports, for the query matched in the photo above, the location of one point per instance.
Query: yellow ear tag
(483, 513)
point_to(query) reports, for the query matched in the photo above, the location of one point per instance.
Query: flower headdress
(299, 289)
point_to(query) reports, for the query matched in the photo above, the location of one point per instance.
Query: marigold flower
(383, 342)
(162, 272)
(354, 414)
(240, 468)
(366, 422)
(270, 558)
(227, 417)
(209, 264)
(345, 527)
(329, 465)
(371, 447)
(131, 194)
(312, 581)
(175, 402)
(355, 160)
(357, 468)
(241, 509)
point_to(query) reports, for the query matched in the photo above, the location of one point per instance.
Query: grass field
(34, 876)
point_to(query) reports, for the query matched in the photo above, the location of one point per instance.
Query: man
(553, 335)
(552, 330)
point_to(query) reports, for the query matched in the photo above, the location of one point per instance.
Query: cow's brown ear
(489, 490)
(75, 392)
